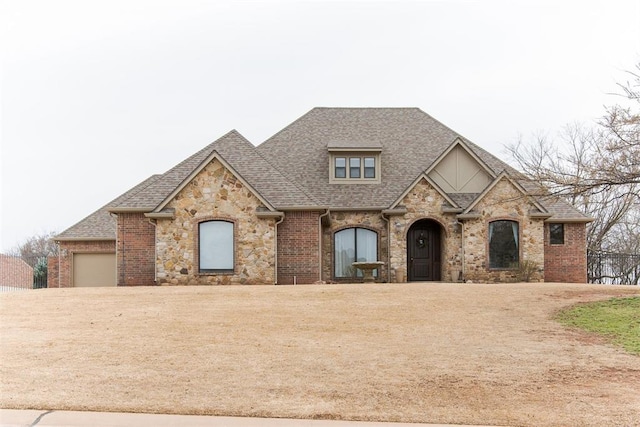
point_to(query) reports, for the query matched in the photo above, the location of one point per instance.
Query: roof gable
(240, 157)
(426, 178)
(460, 170)
(503, 176)
(213, 156)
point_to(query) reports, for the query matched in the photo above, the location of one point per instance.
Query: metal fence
(22, 272)
(613, 268)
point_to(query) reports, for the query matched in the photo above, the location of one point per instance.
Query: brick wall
(567, 262)
(299, 248)
(53, 272)
(62, 278)
(136, 250)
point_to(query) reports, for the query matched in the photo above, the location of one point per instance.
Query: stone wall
(425, 202)
(567, 262)
(340, 220)
(503, 202)
(215, 193)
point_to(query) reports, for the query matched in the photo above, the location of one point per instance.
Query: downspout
(320, 243)
(462, 261)
(59, 263)
(388, 246)
(155, 249)
(275, 272)
(118, 272)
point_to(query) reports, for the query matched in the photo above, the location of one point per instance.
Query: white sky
(98, 95)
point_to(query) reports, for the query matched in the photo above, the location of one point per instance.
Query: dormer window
(355, 168)
(354, 164)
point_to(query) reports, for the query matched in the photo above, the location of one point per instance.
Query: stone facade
(340, 220)
(503, 202)
(424, 202)
(215, 193)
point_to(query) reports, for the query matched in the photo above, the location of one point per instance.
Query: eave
(569, 220)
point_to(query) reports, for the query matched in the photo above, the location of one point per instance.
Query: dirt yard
(436, 353)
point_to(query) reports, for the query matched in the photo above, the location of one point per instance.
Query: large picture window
(351, 245)
(215, 246)
(503, 244)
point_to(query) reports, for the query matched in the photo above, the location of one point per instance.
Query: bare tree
(37, 246)
(596, 168)
(590, 160)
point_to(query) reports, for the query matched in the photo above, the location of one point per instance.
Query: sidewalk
(34, 418)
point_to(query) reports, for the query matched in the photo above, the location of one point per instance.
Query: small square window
(369, 167)
(341, 167)
(354, 167)
(556, 234)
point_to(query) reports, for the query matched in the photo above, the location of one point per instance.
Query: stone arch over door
(424, 251)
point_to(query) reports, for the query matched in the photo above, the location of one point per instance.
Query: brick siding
(59, 275)
(136, 250)
(299, 248)
(567, 262)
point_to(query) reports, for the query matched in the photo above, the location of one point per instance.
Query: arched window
(215, 247)
(351, 245)
(503, 244)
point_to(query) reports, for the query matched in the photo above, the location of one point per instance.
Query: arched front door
(423, 251)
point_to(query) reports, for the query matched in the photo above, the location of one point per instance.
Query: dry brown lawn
(436, 353)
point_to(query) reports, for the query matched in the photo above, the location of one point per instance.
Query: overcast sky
(98, 95)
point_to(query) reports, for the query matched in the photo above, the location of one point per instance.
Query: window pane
(345, 252)
(503, 244)
(366, 247)
(216, 245)
(354, 167)
(369, 167)
(341, 167)
(556, 234)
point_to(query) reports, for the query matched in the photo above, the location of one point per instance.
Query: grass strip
(617, 319)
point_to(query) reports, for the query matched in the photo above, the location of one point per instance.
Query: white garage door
(94, 270)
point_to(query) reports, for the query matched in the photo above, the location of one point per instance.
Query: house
(337, 185)
(15, 273)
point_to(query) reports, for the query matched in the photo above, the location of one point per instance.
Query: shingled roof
(242, 156)
(410, 140)
(291, 169)
(100, 225)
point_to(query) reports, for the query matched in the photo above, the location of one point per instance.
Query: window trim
(518, 244)
(551, 237)
(333, 249)
(213, 272)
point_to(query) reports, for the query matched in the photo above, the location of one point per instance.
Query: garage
(94, 269)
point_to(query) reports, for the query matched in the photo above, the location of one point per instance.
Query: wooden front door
(423, 251)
